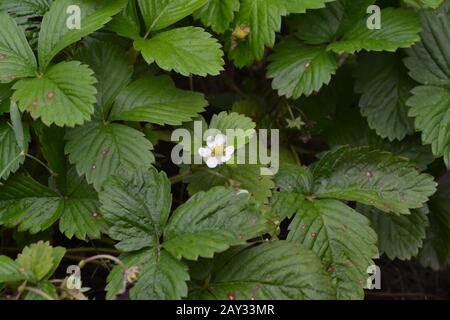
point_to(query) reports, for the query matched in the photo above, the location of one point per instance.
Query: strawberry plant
(104, 159)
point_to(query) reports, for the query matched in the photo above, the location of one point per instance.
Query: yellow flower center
(219, 151)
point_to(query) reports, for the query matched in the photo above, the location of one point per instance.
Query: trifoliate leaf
(429, 60)
(16, 57)
(32, 206)
(59, 29)
(159, 14)
(341, 237)
(40, 259)
(399, 28)
(58, 98)
(430, 106)
(399, 236)
(161, 278)
(137, 206)
(277, 270)
(110, 81)
(297, 69)
(211, 222)
(100, 150)
(157, 100)
(385, 86)
(187, 50)
(11, 156)
(436, 246)
(372, 177)
(243, 176)
(218, 14)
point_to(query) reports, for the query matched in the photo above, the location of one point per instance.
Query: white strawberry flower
(217, 151)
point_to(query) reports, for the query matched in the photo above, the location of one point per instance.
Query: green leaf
(32, 206)
(41, 259)
(127, 23)
(11, 156)
(161, 278)
(341, 237)
(350, 128)
(9, 270)
(429, 60)
(276, 270)
(16, 57)
(211, 222)
(436, 246)
(243, 176)
(159, 14)
(137, 206)
(372, 177)
(46, 287)
(5, 95)
(424, 3)
(233, 120)
(218, 14)
(100, 57)
(56, 98)
(100, 150)
(187, 50)
(399, 236)
(263, 18)
(157, 100)
(430, 106)
(385, 87)
(400, 28)
(328, 24)
(55, 34)
(297, 69)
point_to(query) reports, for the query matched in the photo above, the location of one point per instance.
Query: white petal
(212, 162)
(241, 191)
(229, 150)
(220, 139)
(210, 142)
(225, 158)
(204, 152)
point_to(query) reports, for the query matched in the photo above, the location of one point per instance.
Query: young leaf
(399, 236)
(16, 57)
(341, 237)
(56, 97)
(372, 177)
(276, 270)
(40, 259)
(137, 206)
(400, 29)
(187, 50)
(211, 222)
(297, 69)
(157, 100)
(159, 14)
(57, 33)
(218, 14)
(100, 150)
(385, 87)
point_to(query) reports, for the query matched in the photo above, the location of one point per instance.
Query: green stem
(41, 163)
